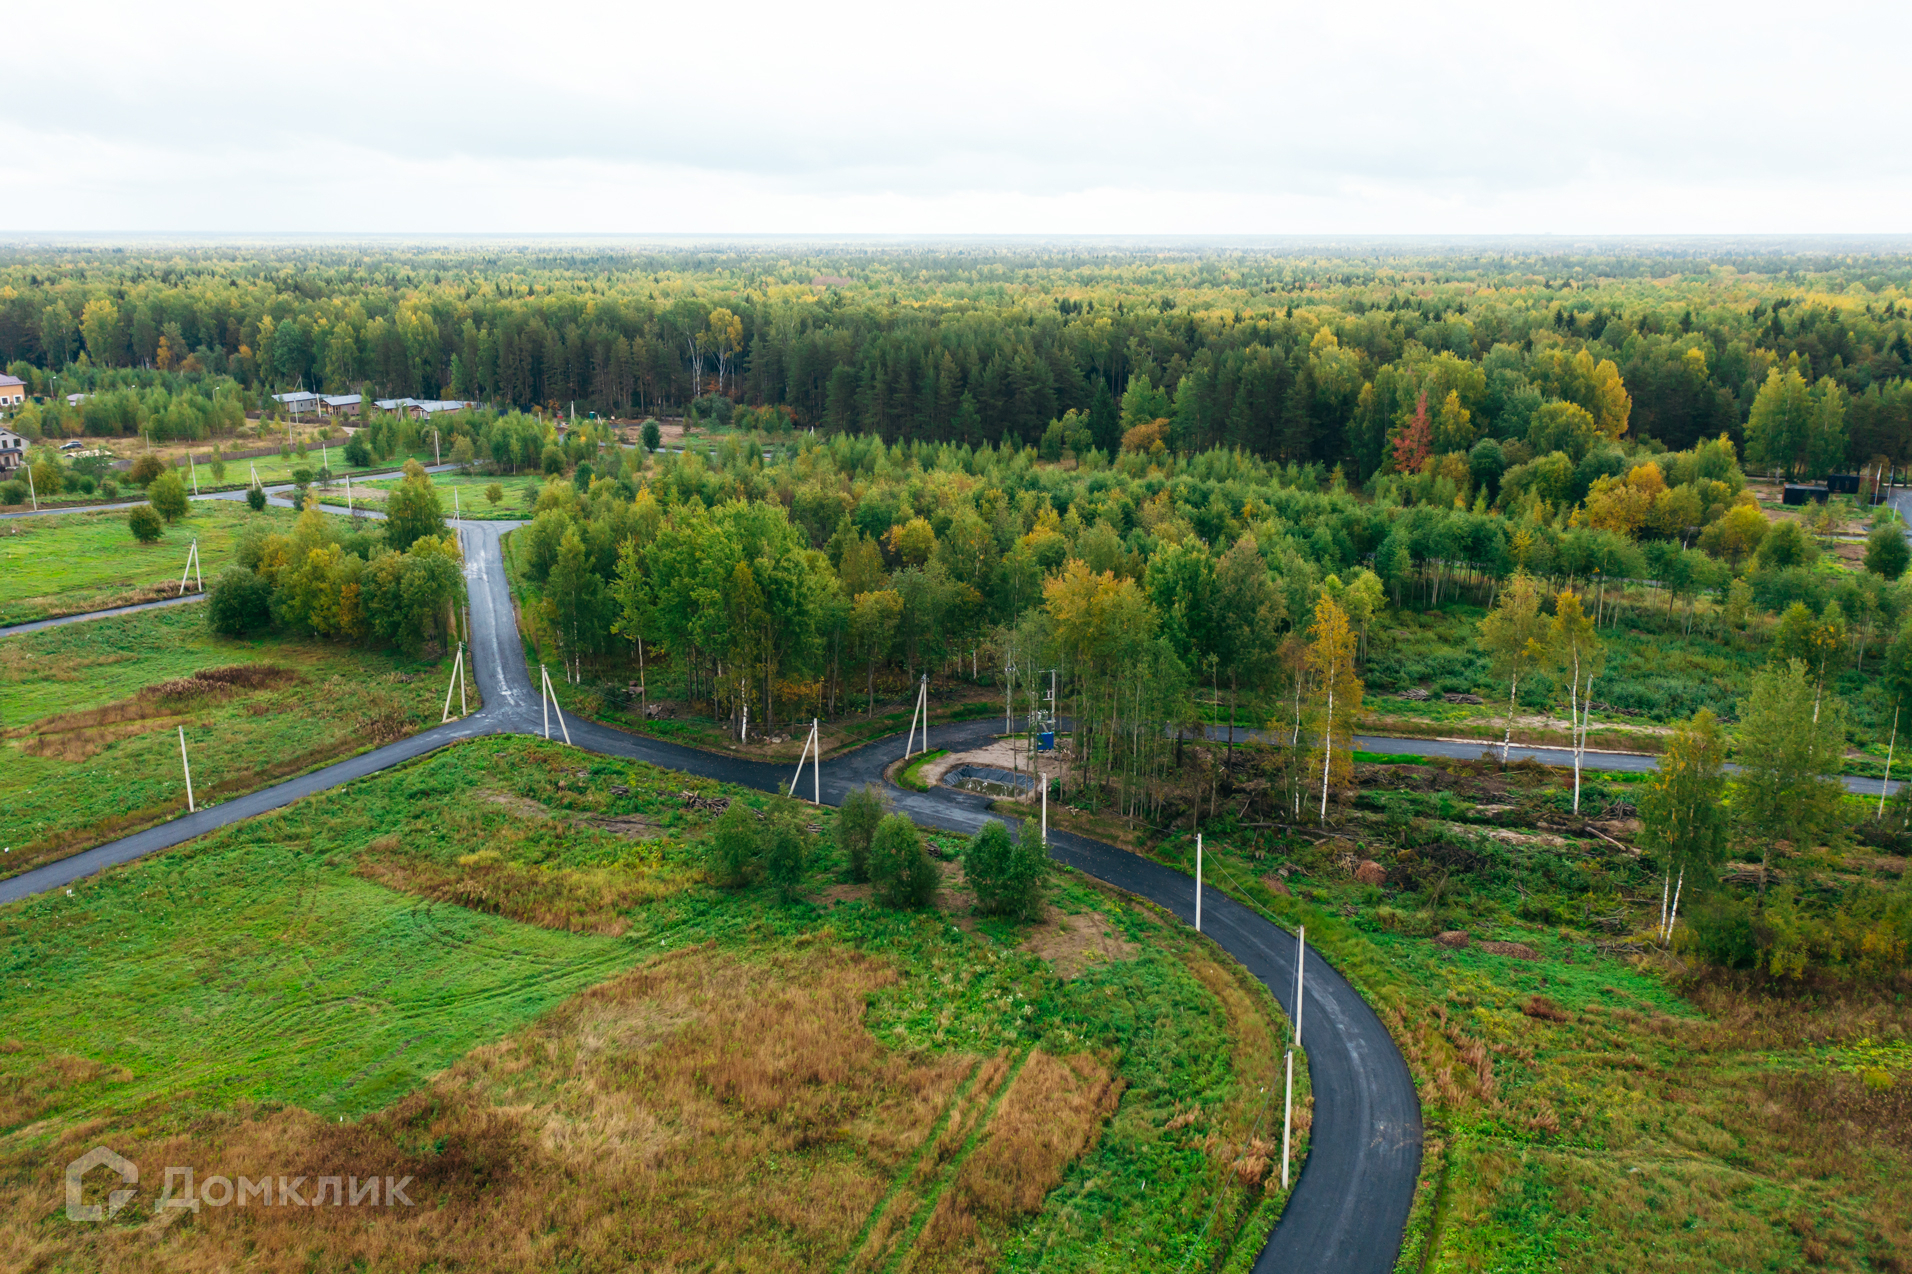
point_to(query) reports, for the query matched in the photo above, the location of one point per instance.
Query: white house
(417, 407)
(13, 451)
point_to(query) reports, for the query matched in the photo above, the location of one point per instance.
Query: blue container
(1046, 741)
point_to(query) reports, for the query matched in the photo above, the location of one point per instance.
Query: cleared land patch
(89, 719)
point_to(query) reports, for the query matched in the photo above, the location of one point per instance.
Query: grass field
(1592, 1103)
(75, 562)
(520, 494)
(89, 718)
(658, 1075)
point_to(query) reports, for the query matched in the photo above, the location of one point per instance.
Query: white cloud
(987, 118)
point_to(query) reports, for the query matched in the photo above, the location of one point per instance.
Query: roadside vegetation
(490, 968)
(1599, 1098)
(395, 582)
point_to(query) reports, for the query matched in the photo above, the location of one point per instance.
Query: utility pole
(921, 707)
(815, 758)
(549, 695)
(1198, 882)
(1288, 1103)
(186, 766)
(436, 458)
(30, 488)
(192, 569)
(1008, 690)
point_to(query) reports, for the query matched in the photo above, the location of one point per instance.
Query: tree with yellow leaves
(1578, 653)
(1514, 634)
(724, 333)
(1335, 700)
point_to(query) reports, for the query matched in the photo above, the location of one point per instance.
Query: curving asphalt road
(1349, 1206)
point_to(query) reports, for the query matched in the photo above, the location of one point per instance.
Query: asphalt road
(1350, 1204)
(1472, 750)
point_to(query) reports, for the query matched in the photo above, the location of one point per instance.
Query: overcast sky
(1023, 117)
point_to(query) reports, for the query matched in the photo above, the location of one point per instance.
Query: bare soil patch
(1074, 943)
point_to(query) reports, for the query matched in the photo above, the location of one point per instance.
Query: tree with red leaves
(1416, 439)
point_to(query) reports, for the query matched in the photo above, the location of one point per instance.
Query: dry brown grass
(1050, 1116)
(704, 1112)
(76, 736)
(578, 899)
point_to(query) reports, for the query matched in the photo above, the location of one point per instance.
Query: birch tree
(1336, 698)
(1683, 809)
(1514, 635)
(1790, 746)
(1579, 655)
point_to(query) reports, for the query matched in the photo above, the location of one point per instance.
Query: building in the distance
(340, 404)
(13, 451)
(298, 401)
(416, 407)
(13, 391)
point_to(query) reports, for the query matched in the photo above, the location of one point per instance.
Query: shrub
(109, 489)
(856, 823)
(785, 857)
(901, 868)
(168, 495)
(240, 604)
(358, 452)
(255, 498)
(145, 524)
(732, 853)
(494, 493)
(1722, 933)
(1886, 551)
(14, 492)
(553, 460)
(145, 469)
(653, 436)
(1007, 874)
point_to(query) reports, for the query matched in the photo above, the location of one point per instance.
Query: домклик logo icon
(76, 1210)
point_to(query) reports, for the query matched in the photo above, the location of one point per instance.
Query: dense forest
(1289, 355)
